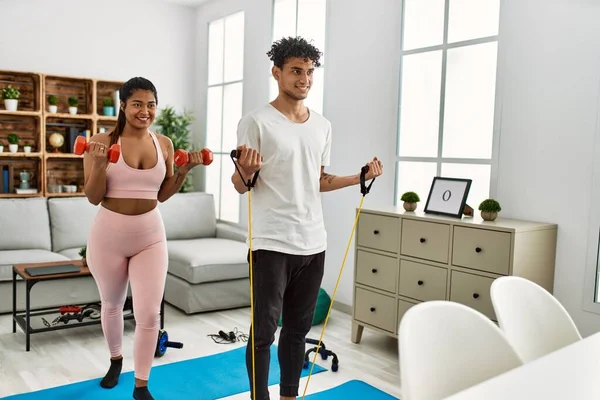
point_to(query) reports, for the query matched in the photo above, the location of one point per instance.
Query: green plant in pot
(109, 107)
(176, 126)
(52, 103)
(73, 103)
(489, 209)
(13, 142)
(11, 96)
(410, 200)
(82, 254)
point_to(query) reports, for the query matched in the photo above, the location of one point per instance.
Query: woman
(127, 239)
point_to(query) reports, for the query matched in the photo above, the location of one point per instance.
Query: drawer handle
(422, 240)
(475, 295)
(372, 309)
(420, 283)
(376, 232)
(374, 270)
(478, 249)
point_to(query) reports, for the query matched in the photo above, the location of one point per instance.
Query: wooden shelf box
(106, 89)
(28, 128)
(69, 128)
(65, 87)
(10, 179)
(29, 86)
(64, 171)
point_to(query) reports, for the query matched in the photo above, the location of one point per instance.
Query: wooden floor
(71, 355)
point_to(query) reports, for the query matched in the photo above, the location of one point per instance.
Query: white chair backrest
(534, 321)
(446, 347)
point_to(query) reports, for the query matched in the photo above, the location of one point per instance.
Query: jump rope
(364, 189)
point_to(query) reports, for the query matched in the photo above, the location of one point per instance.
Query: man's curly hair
(291, 47)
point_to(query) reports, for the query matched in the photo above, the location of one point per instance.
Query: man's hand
(249, 160)
(375, 169)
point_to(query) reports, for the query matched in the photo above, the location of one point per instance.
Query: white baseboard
(345, 308)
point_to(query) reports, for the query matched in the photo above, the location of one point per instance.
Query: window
(448, 79)
(304, 18)
(224, 109)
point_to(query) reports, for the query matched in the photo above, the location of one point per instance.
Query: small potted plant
(410, 200)
(73, 103)
(82, 253)
(27, 148)
(489, 209)
(13, 142)
(109, 108)
(11, 96)
(52, 104)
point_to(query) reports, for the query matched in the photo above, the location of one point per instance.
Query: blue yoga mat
(350, 390)
(211, 377)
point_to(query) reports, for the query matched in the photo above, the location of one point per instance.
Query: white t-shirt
(287, 214)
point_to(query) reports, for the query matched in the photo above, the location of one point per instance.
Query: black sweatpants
(286, 285)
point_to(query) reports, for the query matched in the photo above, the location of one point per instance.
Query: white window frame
(273, 39)
(223, 153)
(439, 159)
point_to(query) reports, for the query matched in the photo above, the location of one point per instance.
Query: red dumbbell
(81, 146)
(182, 157)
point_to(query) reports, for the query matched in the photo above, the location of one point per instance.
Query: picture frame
(448, 196)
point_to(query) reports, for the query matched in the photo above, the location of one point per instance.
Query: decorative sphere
(56, 140)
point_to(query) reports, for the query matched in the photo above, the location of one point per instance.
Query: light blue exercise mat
(351, 390)
(205, 378)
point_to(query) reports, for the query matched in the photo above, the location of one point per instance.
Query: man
(289, 145)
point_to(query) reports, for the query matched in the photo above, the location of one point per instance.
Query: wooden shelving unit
(51, 169)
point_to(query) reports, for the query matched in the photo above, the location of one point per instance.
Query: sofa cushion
(189, 216)
(208, 260)
(24, 224)
(70, 219)
(71, 254)
(8, 258)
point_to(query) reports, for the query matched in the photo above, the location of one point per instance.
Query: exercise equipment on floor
(81, 146)
(164, 343)
(231, 337)
(325, 354)
(182, 157)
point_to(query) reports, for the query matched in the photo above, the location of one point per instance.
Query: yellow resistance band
(333, 296)
(251, 293)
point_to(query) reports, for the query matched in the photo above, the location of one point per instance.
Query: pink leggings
(129, 247)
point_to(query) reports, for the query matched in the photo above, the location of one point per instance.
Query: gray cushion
(8, 258)
(231, 232)
(71, 254)
(71, 219)
(189, 216)
(208, 260)
(24, 224)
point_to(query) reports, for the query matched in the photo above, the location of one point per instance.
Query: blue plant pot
(109, 111)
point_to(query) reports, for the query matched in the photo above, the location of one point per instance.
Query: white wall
(550, 78)
(108, 39)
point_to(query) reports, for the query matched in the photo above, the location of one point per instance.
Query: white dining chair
(446, 347)
(533, 320)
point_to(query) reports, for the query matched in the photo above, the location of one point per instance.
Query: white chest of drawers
(403, 258)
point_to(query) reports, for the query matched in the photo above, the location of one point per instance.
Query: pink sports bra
(123, 181)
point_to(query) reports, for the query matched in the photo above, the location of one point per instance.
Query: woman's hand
(99, 154)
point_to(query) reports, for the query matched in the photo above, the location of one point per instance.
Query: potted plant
(73, 103)
(11, 96)
(177, 128)
(489, 209)
(52, 104)
(13, 142)
(27, 148)
(410, 200)
(109, 109)
(82, 253)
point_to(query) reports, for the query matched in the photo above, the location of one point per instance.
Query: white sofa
(208, 268)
